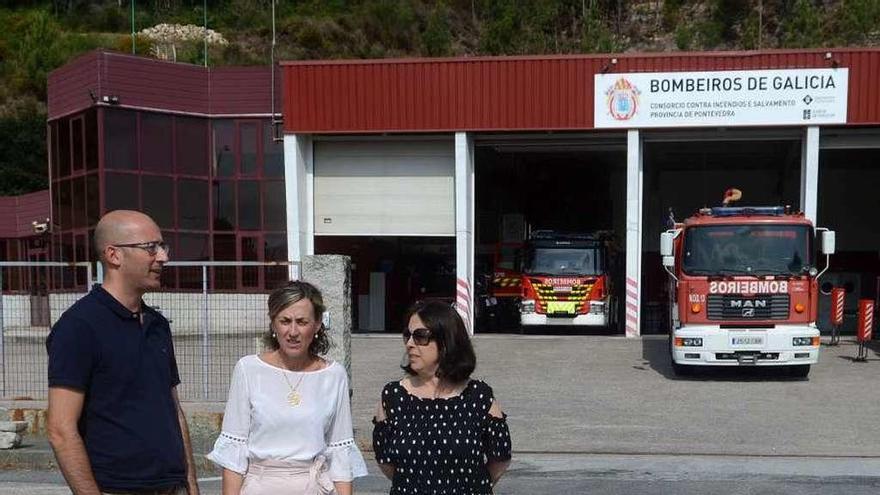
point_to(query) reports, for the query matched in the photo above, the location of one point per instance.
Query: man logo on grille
(748, 312)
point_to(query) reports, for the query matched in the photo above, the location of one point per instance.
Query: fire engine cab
(743, 288)
(565, 280)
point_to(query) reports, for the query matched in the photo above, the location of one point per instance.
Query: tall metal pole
(205, 13)
(272, 68)
(205, 325)
(133, 37)
(2, 336)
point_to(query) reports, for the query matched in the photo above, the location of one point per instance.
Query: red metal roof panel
(516, 93)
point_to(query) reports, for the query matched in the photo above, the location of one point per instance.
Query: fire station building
(390, 159)
(423, 169)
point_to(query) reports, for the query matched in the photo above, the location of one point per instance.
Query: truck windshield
(563, 261)
(748, 250)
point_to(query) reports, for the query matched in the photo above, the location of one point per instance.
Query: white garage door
(385, 187)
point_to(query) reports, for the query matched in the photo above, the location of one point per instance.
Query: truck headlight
(597, 307)
(805, 341)
(688, 342)
(527, 306)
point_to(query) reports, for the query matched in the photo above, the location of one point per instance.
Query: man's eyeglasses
(152, 248)
(421, 336)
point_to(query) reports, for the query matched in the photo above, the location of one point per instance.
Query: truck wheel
(799, 371)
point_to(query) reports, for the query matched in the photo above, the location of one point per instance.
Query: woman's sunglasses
(421, 336)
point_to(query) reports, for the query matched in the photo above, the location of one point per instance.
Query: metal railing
(216, 319)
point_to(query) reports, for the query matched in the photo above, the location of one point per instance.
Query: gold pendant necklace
(293, 398)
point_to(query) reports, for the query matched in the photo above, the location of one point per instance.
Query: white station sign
(721, 98)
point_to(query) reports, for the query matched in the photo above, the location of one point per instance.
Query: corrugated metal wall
(515, 93)
(145, 83)
(17, 213)
(68, 86)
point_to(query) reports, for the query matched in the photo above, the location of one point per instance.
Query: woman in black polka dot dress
(438, 432)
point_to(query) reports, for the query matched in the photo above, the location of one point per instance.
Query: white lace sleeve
(231, 448)
(346, 461)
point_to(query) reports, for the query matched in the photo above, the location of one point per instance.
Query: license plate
(562, 307)
(747, 340)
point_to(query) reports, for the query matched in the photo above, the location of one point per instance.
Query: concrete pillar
(299, 195)
(464, 227)
(331, 274)
(633, 280)
(810, 172)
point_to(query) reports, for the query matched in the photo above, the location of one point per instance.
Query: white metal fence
(217, 317)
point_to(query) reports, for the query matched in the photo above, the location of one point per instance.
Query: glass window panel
(121, 192)
(192, 247)
(273, 153)
(224, 247)
(78, 193)
(91, 139)
(224, 250)
(53, 148)
(275, 249)
(79, 254)
(65, 203)
(78, 158)
(224, 148)
(247, 132)
(192, 201)
(63, 147)
(93, 205)
(250, 275)
(56, 205)
(249, 205)
(157, 195)
(67, 255)
(191, 145)
(120, 139)
(224, 205)
(90, 242)
(274, 212)
(156, 140)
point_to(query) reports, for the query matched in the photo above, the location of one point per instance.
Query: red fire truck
(743, 288)
(565, 280)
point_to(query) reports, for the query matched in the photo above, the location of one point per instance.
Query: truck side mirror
(669, 261)
(666, 242)
(828, 242)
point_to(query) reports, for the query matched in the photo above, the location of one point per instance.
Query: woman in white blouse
(287, 427)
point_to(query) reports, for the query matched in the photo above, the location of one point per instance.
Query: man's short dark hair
(457, 358)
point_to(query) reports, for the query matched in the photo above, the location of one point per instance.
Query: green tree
(437, 37)
(23, 161)
(35, 52)
(859, 21)
(803, 26)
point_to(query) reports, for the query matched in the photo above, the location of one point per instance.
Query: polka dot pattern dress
(440, 446)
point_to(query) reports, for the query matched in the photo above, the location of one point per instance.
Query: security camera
(40, 227)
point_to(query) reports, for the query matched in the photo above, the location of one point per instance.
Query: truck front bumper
(535, 319)
(744, 346)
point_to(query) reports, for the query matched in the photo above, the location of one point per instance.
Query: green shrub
(803, 26)
(23, 158)
(437, 37)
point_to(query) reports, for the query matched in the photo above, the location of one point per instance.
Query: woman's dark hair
(292, 293)
(456, 353)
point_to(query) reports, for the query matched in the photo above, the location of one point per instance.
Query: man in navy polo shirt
(115, 422)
